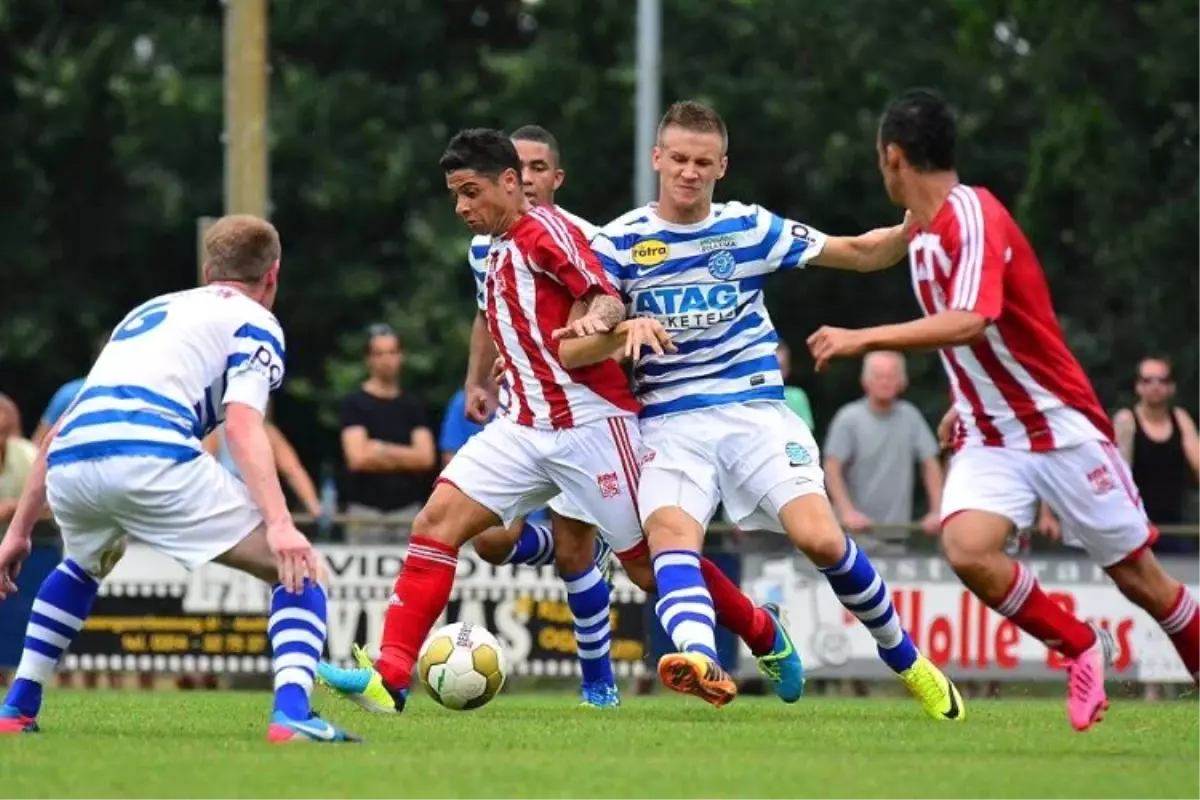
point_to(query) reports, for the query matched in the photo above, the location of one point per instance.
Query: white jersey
(477, 254)
(161, 383)
(704, 283)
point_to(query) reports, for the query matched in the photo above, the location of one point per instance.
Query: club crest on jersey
(609, 485)
(650, 252)
(682, 307)
(798, 455)
(721, 265)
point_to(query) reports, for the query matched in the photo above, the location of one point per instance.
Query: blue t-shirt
(61, 401)
(456, 428)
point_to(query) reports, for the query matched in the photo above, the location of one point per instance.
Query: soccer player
(714, 421)
(1025, 422)
(583, 559)
(126, 458)
(572, 431)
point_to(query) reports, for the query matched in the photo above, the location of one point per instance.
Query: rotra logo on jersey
(650, 252)
(683, 307)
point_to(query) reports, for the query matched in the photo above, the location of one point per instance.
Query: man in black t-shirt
(388, 447)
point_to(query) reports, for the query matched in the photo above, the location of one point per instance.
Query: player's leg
(1092, 490)
(526, 542)
(589, 600)
(65, 597)
(990, 492)
(771, 478)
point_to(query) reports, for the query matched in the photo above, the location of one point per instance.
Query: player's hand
(498, 368)
(829, 343)
(931, 523)
(645, 332)
(855, 521)
(947, 429)
(1047, 524)
(480, 404)
(587, 325)
(14, 549)
(296, 557)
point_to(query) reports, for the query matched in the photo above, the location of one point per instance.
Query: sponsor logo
(650, 252)
(609, 484)
(798, 454)
(1101, 480)
(721, 265)
(801, 232)
(728, 241)
(683, 307)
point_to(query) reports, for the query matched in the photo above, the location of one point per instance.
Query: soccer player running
(126, 458)
(569, 430)
(714, 422)
(583, 559)
(1025, 422)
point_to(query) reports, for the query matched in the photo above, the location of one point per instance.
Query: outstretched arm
(868, 252)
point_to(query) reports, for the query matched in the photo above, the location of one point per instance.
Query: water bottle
(329, 498)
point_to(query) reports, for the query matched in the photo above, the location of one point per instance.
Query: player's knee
(811, 526)
(433, 521)
(673, 529)
(495, 544)
(972, 542)
(574, 545)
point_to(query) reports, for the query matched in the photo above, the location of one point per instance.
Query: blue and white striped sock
(534, 547)
(297, 631)
(684, 606)
(864, 594)
(63, 602)
(587, 595)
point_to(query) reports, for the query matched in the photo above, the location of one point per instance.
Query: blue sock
(587, 595)
(63, 603)
(864, 594)
(534, 548)
(685, 607)
(297, 631)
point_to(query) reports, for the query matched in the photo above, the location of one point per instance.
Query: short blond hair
(240, 247)
(694, 116)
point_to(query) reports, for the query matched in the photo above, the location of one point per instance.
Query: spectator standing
(872, 448)
(387, 444)
(1159, 441)
(17, 455)
(794, 397)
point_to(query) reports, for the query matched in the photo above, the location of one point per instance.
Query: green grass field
(107, 744)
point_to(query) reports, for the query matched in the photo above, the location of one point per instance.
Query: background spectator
(872, 447)
(793, 396)
(1159, 441)
(63, 397)
(16, 459)
(387, 445)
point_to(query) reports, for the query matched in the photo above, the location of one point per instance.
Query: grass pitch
(130, 744)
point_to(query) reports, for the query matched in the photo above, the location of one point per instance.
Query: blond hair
(240, 247)
(694, 116)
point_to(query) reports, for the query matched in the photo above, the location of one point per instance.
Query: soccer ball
(462, 666)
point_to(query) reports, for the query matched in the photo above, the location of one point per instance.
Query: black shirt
(391, 420)
(1161, 473)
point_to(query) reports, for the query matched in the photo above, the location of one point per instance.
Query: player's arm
(1187, 432)
(868, 252)
(1124, 426)
(569, 259)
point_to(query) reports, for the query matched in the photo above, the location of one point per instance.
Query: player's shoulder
(635, 221)
(969, 209)
(588, 230)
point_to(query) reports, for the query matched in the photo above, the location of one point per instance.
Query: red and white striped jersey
(1019, 386)
(535, 273)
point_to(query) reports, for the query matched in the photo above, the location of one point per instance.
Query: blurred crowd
(884, 467)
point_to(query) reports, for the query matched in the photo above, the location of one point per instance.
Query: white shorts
(1088, 486)
(511, 470)
(565, 508)
(192, 511)
(755, 457)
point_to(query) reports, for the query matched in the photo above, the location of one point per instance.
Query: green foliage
(1081, 116)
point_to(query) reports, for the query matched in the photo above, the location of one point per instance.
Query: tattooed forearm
(608, 309)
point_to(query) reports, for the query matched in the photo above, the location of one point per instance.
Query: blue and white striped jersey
(161, 383)
(477, 254)
(704, 283)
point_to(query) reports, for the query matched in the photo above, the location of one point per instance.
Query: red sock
(1033, 612)
(1182, 624)
(420, 595)
(735, 611)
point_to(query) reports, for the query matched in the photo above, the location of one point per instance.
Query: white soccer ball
(462, 666)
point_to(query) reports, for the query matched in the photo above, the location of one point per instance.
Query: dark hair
(692, 115)
(536, 133)
(921, 124)
(484, 150)
(376, 330)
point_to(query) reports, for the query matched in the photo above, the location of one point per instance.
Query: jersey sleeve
(60, 402)
(255, 365)
(561, 251)
(609, 258)
(977, 282)
(477, 261)
(785, 243)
